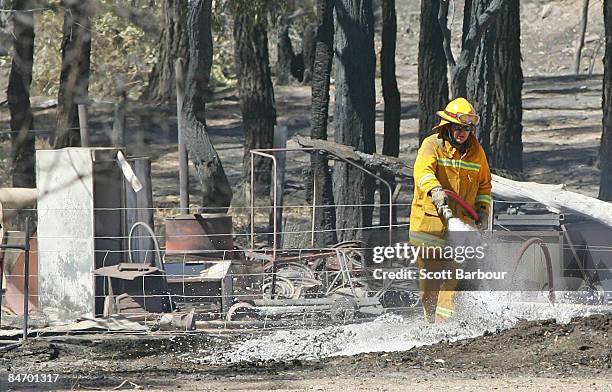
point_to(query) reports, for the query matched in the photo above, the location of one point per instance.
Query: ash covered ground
(491, 345)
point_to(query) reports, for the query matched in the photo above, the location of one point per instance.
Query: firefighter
(451, 158)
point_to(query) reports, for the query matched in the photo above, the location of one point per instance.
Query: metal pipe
(288, 149)
(251, 202)
(579, 262)
(264, 153)
(390, 214)
(182, 153)
(344, 270)
(274, 202)
(491, 216)
(548, 260)
(314, 208)
(274, 209)
(26, 276)
(379, 179)
(82, 113)
(1, 280)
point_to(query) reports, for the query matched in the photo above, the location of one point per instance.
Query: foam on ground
(477, 313)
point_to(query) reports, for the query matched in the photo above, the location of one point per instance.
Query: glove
(484, 220)
(439, 198)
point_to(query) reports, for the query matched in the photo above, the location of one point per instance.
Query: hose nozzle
(447, 212)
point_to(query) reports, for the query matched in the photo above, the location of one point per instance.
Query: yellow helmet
(458, 111)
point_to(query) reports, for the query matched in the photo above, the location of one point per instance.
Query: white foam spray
(456, 224)
(476, 313)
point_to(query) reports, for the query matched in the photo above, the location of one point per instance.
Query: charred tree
(481, 72)
(432, 80)
(460, 69)
(216, 190)
(308, 52)
(74, 75)
(605, 151)
(285, 54)
(506, 134)
(580, 42)
(488, 71)
(391, 96)
(18, 95)
(172, 45)
(324, 217)
(354, 113)
(256, 91)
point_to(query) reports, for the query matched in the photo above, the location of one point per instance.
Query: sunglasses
(462, 128)
(465, 118)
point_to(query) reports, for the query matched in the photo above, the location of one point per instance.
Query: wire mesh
(204, 287)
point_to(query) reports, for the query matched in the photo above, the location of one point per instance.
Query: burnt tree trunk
(491, 57)
(285, 54)
(481, 73)
(472, 35)
(580, 43)
(432, 69)
(256, 93)
(74, 76)
(391, 95)
(506, 134)
(172, 45)
(18, 95)
(354, 113)
(605, 151)
(216, 190)
(308, 51)
(324, 217)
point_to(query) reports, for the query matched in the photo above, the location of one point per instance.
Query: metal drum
(200, 235)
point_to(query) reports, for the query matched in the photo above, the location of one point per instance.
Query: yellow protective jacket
(438, 163)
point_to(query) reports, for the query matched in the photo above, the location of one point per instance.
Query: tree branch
(446, 33)
(554, 197)
(138, 17)
(373, 162)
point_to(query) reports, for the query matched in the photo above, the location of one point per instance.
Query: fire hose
(466, 206)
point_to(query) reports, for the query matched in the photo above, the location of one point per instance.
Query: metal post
(183, 156)
(274, 229)
(1, 279)
(82, 111)
(490, 221)
(280, 141)
(390, 215)
(274, 189)
(26, 277)
(309, 149)
(119, 121)
(274, 206)
(314, 209)
(274, 203)
(251, 202)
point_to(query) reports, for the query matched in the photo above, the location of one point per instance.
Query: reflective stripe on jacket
(438, 163)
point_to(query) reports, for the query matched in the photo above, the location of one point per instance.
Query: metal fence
(257, 268)
(211, 288)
